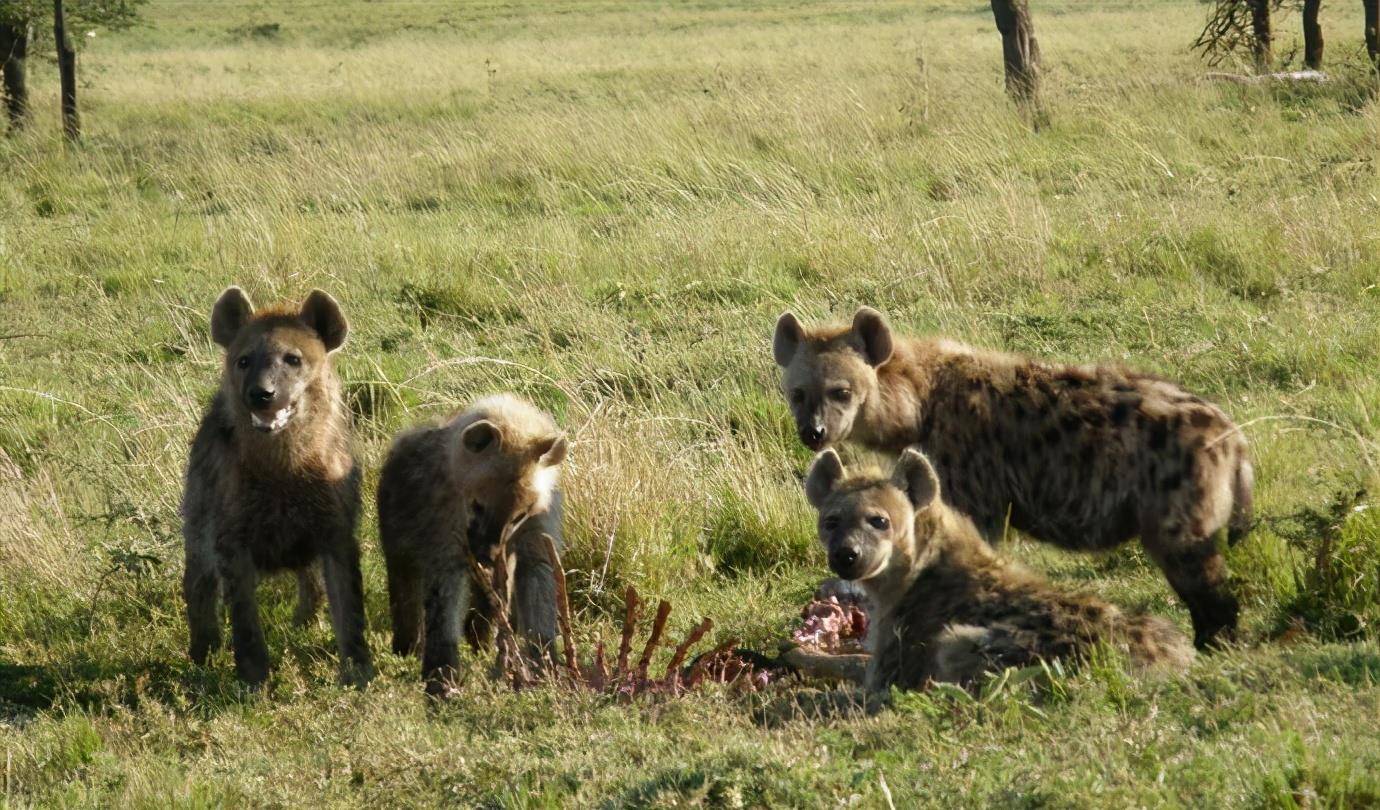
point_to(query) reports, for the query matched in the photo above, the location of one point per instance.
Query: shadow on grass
(816, 706)
(85, 682)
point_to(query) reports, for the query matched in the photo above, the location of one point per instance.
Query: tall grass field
(604, 206)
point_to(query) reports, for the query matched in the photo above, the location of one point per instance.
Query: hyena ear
(824, 475)
(871, 330)
(481, 436)
(789, 334)
(322, 313)
(554, 453)
(915, 476)
(229, 315)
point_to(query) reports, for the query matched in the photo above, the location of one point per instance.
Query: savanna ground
(604, 206)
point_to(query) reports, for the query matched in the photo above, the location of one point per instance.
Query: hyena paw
(304, 616)
(442, 690)
(254, 674)
(201, 650)
(356, 673)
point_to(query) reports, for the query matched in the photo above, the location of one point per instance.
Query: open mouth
(273, 422)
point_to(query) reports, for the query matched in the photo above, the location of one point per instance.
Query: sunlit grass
(604, 206)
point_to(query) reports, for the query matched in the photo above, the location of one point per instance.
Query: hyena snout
(270, 400)
(489, 532)
(845, 559)
(485, 537)
(813, 435)
(258, 398)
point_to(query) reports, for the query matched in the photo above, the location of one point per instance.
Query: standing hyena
(482, 478)
(271, 482)
(945, 607)
(1085, 457)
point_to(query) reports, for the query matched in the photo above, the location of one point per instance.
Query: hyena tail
(1242, 500)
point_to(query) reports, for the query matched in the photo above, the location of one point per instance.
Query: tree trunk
(67, 72)
(1373, 31)
(1020, 52)
(1312, 35)
(1260, 30)
(14, 50)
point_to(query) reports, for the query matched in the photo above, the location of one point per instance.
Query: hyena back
(945, 606)
(272, 484)
(1085, 457)
(485, 476)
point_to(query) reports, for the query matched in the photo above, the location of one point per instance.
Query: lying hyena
(485, 476)
(271, 483)
(944, 606)
(1084, 457)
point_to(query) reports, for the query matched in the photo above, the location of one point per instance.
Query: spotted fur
(945, 606)
(1084, 457)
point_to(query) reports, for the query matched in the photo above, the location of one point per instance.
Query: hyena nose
(812, 435)
(260, 397)
(843, 557)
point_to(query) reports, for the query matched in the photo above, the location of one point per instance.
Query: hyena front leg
(445, 602)
(345, 593)
(240, 581)
(311, 589)
(1196, 570)
(201, 591)
(534, 601)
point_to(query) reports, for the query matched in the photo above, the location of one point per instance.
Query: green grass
(604, 206)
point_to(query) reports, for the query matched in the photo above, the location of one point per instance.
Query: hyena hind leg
(964, 653)
(1197, 572)
(311, 589)
(445, 602)
(405, 607)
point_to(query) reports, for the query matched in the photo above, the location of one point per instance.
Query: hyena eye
(292, 359)
(798, 396)
(243, 362)
(878, 522)
(830, 524)
(841, 394)
(476, 508)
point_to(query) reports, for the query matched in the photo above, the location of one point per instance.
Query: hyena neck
(891, 418)
(885, 589)
(954, 549)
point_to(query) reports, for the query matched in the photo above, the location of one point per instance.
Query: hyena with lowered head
(1085, 457)
(484, 477)
(945, 606)
(272, 484)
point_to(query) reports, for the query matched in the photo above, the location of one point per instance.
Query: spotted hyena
(1085, 457)
(483, 477)
(945, 606)
(272, 484)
